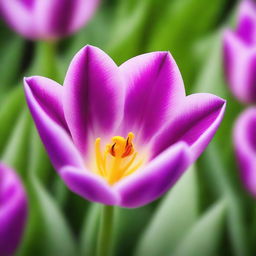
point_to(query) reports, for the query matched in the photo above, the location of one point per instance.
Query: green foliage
(174, 216)
(47, 231)
(205, 235)
(89, 231)
(9, 112)
(11, 53)
(15, 153)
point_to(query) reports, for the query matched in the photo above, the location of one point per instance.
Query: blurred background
(208, 212)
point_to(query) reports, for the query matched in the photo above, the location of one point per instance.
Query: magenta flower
(122, 135)
(13, 210)
(240, 54)
(47, 19)
(245, 147)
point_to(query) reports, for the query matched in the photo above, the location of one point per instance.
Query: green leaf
(211, 75)
(11, 56)
(171, 28)
(89, 232)
(130, 223)
(60, 191)
(40, 164)
(128, 30)
(16, 151)
(178, 27)
(215, 172)
(47, 232)
(45, 60)
(10, 109)
(174, 216)
(204, 237)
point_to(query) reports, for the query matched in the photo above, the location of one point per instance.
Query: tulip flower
(240, 54)
(122, 135)
(47, 19)
(13, 211)
(245, 147)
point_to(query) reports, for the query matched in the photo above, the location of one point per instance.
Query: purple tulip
(122, 135)
(240, 54)
(245, 147)
(13, 211)
(47, 19)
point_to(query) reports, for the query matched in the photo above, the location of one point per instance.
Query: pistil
(118, 160)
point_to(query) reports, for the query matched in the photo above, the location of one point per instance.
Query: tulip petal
(154, 86)
(242, 81)
(18, 16)
(196, 123)
(155, 179)
(93, 96)
(28, 3)
(58, 144)
(48, 19)
(247, 21)
(88, 185)
(51, 24)
(71, 16)
(245, 147)
(48, 94)
(13, 210)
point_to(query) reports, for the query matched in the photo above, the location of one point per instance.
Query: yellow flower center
(118, 160)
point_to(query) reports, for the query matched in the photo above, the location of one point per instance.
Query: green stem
(45, 61)
(105, 238)
(253, 229)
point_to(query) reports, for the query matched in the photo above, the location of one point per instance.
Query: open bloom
(122, 135)
(13, 210)
(240, 54)
(245, 147)
(47, 19)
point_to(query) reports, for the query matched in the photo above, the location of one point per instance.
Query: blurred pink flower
(13, 211)
(245, 147)
(47, 19)
(240, 54)
(122, 135)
